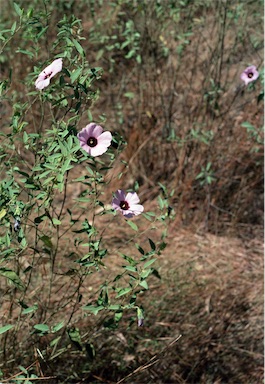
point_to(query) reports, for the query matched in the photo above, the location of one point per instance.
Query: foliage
(42, 160)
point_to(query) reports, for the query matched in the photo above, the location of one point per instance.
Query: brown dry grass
(210, 295)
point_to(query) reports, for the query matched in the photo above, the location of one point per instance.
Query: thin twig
(155, 359)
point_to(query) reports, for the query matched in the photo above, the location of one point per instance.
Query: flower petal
(132, 198)
(44, 77)
(128, 214)
(97, 130)
(86, 147)
(120, 195)
(83, 136)
(105, 138)
(53, 68)
(137, 209)
(41, 83)
(88, 130)
(98, 150)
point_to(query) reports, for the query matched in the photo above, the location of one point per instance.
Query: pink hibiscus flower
(127, 204)
(249, 74)
(45, 76)
(93, 140)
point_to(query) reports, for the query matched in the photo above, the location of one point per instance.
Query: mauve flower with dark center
(249, 74)
(45, 76)
(93, 140)
(127, 204)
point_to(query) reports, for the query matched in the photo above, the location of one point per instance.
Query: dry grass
(210, 294)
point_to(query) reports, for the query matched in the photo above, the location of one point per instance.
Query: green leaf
(114, 307)
(42, 328)
(56, 221)
(132, 225)
(47, 241)
(29, 309)
(25, 52)
(161, 202)
(93, 308)
(144, 284)
(79, 47)
(90, 350)
(13, 277)
(13, 28)
(130, 95)
(6, 328)
(74, 336)
(140, 249)
(118, 316)
(58, 326)
(152, 245)
(123, 292)
(148, 263)
(145, 273)
(246, 124)
(156, 274)
(149, 216)
(18, 10)
(130, 268)
(75, 74)
(3, 212)
(55, 341)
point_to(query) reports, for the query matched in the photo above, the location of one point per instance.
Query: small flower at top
(45, 76)
(93, 140)
(249, 74)
(127, 204)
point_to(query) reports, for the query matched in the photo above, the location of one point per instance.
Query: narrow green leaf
(132, 225)
(130, 95)
(90, 350)
(18, 10)
(123, 292)
(13, 277)
(152, 244)
(148, 263)
(145, 273)
(75, 74)
(114, 307)
(93, 308)
(42, 328)
(47, 241)
(29, 309)
(130, 268)
(55, 341)
(140, 249)
(75, 337)
(56, 221)
(13, 28)
(2, 213)
(144, 284)
(79, 47)
(6, 328)
(118, 316)
(58, 326)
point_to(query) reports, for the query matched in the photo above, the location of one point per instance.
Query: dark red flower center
(250, 75)
(124, 205)
(92, 142)
(47, 75)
